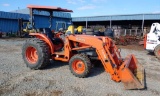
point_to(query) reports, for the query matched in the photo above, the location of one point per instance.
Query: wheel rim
(31, 55)
(78, 66)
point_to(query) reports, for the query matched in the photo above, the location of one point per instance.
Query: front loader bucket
(132, 73)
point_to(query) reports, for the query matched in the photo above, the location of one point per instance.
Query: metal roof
(155, 16)
(48, 8)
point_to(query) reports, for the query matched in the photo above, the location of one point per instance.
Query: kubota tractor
(79, 51)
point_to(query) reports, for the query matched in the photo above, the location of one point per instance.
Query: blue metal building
(41, 18)
(9, 20)
(155, 16)
(110, 20)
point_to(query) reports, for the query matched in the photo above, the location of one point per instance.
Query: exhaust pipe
(132, 73)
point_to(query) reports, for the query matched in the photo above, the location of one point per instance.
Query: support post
(31, 16)
(86, 23)
(111, 22)
(143, 23)
(50, 19)
(125, 32)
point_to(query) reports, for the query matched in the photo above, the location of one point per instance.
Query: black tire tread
(43, 47)
(156, 51)
(87, 62)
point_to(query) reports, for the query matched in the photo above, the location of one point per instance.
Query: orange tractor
(79, 51)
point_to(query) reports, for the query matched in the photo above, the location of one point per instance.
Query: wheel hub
(31, 55)
(78, 66)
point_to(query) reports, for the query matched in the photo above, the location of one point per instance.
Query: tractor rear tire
(35, 53)
(157, 52)
(80, 65)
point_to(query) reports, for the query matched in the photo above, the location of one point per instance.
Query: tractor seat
(49, 34)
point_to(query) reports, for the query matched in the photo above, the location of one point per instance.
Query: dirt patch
(51, 93)
(76, 90)
(5, 90)
(56, 93)
(155, 92)
(153, 76)
(28, 79)
(113, 94)
(132, 47)
(13, 39)
(8, 49)
(51, 82)
(31, 94)
(140, 58)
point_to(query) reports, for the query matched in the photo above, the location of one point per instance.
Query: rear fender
(46, 39)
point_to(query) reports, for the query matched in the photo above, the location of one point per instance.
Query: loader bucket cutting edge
(132, 73)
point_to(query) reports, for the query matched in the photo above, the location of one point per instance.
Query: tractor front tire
(35, 53)
(80, 65)
(157, 52)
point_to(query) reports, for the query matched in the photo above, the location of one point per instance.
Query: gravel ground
(56, 80)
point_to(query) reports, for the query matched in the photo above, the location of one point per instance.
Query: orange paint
(51, 8)
(44, 38)
(108, 54)
(78, 66)
(31, 55)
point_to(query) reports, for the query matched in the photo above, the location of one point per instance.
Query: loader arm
(127, 71)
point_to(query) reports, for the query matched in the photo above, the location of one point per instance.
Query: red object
(31, 55)
(52, 8)
(145, 40)
(78, 66)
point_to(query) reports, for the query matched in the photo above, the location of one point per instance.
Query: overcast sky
(89, 7)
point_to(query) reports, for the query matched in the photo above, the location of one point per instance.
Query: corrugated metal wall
(43, 21)
(9, 15)
(55, 14)
(8, 25)
(9, 21)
